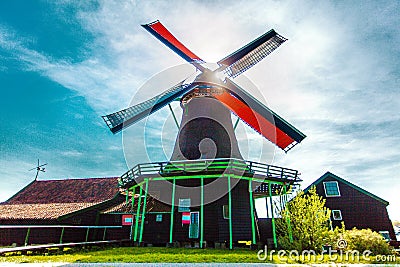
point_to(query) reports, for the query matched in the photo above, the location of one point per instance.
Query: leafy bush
(356, 239)
(366, 239)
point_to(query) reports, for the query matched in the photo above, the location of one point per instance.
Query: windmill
(38, 168)
(206, 132)
(232, 96)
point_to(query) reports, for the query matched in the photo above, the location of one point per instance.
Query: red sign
(185, 217)
(127, 219)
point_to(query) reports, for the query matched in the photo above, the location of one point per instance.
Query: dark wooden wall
(216, 228)
(358, 209)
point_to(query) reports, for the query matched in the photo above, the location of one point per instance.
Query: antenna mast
(38, 168)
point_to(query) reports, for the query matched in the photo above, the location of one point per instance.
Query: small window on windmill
(159, 218)
(225, 211)
(337, 215)
(184, 205)
(331, 189)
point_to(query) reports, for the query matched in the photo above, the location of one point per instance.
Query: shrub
(356, 239)
(366, 239)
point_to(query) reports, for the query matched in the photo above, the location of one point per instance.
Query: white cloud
(72, 153)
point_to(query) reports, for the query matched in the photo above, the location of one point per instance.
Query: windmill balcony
(257, 172)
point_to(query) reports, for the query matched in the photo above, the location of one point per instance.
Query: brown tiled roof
(152, 206)
(40, 211)
(54, 198)
(90, 190)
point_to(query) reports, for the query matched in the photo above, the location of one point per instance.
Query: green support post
(202, 213)
(61, 236)
(171, 228)
(27, 236)
(133, 213)
(87, 234)
(144, 211)
(137, 214)
(230, 212)
(253, 227)
(127, 196)
(272, 214)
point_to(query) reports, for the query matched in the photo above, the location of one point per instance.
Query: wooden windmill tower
(206, 156)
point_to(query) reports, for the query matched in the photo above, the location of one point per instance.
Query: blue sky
(63, 64)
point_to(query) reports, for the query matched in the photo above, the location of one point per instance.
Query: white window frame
(385, 232)
(337, 219)
(337, 185)
(225, 210)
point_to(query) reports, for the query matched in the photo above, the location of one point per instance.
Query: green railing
(62, 227)
(197, 167)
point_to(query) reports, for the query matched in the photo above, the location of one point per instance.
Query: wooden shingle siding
(358, 207)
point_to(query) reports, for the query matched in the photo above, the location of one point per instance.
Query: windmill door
(194, 225)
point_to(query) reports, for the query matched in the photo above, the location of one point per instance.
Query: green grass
(135, 254)
(157, 254)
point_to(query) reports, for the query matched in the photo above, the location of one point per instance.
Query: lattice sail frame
(123, 118)
(248, 56)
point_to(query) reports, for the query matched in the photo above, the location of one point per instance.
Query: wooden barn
(53, 211)
(353, 205)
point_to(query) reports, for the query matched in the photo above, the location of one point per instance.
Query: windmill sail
(123, 118)
(250, 110)
(259, 117)
(166, 37)
(249, 55)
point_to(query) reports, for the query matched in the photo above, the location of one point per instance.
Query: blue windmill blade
(120, 120)
(250, 54)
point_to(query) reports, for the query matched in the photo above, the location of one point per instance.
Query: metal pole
(104, 233)
(27, 236)
(173, 115)
(137, 214)
(272, 213)
(61, 236)
(253, 227)
(236, 124)
(230, 212)
(87, 234)
(144, 211)
(171, 229)
(202, 212)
